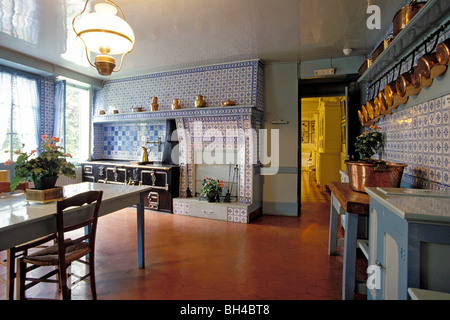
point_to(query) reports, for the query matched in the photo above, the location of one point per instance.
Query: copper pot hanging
(404, 85)
(383, 103)
(404, 16)
(418, 81)
(392, 97)
(429, 66)
(370, 107)
(443, 52)
(361, 118)
(365, 114)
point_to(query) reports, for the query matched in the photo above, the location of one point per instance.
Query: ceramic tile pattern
(419, 137)
(238, 81)
(122, 141)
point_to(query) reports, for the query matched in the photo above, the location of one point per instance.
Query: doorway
(326, 137)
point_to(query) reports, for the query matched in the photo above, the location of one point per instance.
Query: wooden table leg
(349, 268)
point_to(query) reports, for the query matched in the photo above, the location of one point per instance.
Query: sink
(414, 192)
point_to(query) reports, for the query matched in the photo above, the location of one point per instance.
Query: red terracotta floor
(276, 258)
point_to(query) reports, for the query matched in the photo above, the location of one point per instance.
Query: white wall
(281, 103)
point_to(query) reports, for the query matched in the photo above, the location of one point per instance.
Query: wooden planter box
(44, 196)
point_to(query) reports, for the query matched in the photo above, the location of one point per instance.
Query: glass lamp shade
(104, 32)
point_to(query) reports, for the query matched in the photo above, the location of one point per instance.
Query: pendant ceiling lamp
(105, 33)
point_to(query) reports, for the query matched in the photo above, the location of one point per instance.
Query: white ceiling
(176, 34)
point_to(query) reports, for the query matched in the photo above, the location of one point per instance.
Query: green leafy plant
(368, 142)
(211, 188)
(42, 169)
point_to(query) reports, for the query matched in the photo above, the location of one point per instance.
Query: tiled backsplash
(241, 82)
(124, 141)
(419, 137)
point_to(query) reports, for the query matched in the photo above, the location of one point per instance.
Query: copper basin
(364, 174)
(404, 16)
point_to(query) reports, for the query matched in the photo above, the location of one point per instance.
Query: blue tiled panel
(241, 82)
(121, 141)
(47, 100)
(419, 136)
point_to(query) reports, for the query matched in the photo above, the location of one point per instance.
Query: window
(77, 122)
(19, 114)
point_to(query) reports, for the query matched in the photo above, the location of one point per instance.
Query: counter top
(134, 164)
(427, 206)
(351, 201)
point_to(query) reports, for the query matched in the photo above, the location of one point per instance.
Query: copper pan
(429, 66)
(378, 113)
(404, 16)
(365, 114)
(418, 81)
(392, 98)
(404, 85)
(361, 118)
(370, 107)
(443, 52)
(383, 103)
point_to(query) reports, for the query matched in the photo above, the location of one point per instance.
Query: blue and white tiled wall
(240, 81)
(237, 81)
(123, 141)
(420, 137)
(47, 100)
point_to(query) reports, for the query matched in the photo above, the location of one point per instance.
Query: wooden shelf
(430, 17)
(180, 113)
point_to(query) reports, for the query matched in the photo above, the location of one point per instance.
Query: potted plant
(368, 172)
(368, 143)
(211, 189)
(43, 169)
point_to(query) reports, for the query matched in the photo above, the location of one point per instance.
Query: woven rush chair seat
(49, 256)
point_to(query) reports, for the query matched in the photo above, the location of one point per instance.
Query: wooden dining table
(22, 221)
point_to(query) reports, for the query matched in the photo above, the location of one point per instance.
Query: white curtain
(21, 95)
(27, 109)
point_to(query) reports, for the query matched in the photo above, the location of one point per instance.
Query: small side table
(353, 204)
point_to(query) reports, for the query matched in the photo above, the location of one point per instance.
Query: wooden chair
(11, 254)
(65, 250)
